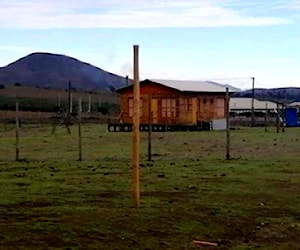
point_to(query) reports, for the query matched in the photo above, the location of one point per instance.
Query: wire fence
(38, 142)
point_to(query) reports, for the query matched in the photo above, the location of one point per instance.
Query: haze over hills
(46, 70)
(282, 95)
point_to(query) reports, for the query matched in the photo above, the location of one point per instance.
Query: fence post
(227, 127)
(283, 118)
(90, 104)
(266, 118)
(149, 127)
(277, 118)
(79, 129)
(17, 131)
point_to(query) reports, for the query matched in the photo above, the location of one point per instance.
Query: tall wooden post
(136, 130)
(17, 131)
(149, 127)
(227, 127)
(79, 130)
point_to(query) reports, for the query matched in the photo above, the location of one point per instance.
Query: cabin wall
(147, 93)
(203, 107)
(169, 106)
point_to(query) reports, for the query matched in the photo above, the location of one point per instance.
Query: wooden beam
(205, 243)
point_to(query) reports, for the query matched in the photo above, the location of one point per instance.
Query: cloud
(34, 14)
(286, 4)
(126, 70)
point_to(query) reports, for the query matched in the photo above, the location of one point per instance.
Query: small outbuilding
(265, 112)
(243, 105)
(291, 117)
(174, 105)
(294, 104)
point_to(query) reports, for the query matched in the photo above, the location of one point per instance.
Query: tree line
(50, 105)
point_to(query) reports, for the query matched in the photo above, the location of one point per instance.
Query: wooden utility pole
(252, 104)
(227, 126)
(136, 130)
(79, 129)
(149, 126)
(17, 131)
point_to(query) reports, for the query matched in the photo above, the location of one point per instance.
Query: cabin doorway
(154, 110)
(194, 110)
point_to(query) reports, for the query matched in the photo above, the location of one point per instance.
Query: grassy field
(50, 200)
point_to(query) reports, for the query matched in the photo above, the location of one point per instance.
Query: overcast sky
(178, 39)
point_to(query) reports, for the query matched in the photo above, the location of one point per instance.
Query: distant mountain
(55, 71)
(230, 87)
(282, 95)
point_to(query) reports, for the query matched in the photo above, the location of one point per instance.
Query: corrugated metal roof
(194, 86)
(243, 103)
(294, 104)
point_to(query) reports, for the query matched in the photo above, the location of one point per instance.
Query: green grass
(50, 200)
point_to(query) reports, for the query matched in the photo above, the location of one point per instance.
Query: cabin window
(211, 100)
(168, 107)
(220, 107)
(130, 107)
(186, 104)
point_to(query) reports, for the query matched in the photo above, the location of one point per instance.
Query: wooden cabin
(173, 105)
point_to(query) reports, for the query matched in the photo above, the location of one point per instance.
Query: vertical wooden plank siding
(170, 106)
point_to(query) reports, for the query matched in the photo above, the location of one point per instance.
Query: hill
(54, 71)
(282, 95)
(46, 70)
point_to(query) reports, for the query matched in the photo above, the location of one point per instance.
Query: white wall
(219, 124)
